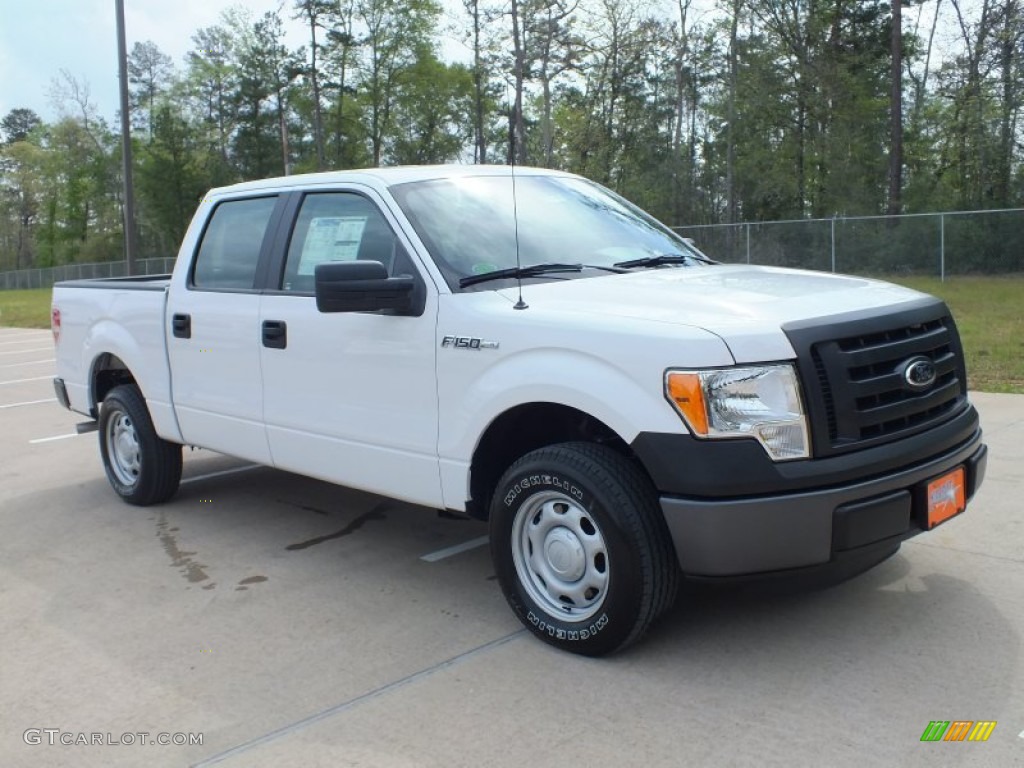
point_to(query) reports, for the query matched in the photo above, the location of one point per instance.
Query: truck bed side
(112, 325)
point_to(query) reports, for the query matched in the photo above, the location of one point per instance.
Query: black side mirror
(361, 286)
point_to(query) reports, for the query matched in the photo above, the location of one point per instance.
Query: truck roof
(388, 176)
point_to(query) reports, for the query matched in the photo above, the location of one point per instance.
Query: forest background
(754, 110)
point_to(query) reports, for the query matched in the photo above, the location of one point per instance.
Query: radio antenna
(515, 208)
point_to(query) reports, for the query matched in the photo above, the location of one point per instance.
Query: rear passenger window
(230, 249)
(338, 226)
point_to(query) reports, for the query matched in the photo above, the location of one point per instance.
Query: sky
(38, 38)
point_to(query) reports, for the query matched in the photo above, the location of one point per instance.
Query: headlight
(760, 401)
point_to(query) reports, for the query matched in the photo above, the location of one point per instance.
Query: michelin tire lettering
(558, 633)
(535, 480)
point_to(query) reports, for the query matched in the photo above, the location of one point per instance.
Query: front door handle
(181, 326)
(275, 334)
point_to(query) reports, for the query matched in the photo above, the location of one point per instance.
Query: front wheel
(581, 550)
(142, 467)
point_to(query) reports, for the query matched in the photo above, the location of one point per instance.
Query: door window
(230, 250)
(339, 226)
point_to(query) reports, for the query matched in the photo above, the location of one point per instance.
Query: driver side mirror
(361, 286)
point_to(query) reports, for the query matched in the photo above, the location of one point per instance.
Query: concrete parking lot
(291, 622)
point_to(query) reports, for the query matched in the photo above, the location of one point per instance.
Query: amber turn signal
(686, 393)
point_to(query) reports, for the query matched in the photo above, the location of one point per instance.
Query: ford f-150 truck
(526, 347)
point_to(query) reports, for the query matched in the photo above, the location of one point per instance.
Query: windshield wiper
(661, 259)
(534, 270)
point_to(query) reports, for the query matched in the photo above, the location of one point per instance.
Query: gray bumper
(754, 535)
(61, 392)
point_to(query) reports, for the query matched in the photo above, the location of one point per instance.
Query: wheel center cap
(565, 554)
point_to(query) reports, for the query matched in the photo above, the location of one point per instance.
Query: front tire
(142, 467)
(580, 547)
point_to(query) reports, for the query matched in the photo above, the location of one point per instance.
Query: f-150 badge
(467, 342)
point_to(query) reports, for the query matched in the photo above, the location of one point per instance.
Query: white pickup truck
(531, 349)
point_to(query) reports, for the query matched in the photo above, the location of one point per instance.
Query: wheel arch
(524, 428)
(108, 371)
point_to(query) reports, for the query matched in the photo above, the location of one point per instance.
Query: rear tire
(581, 549)
(142, 467)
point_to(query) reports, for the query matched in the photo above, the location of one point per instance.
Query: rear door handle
(181, 326)
(275, 334)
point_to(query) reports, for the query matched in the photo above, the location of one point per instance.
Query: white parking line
(29, 402)
(23, 351)
(246, 468)
(465, 546)
(22, 341)
(28, 362)
(22, 381)
(55, 437)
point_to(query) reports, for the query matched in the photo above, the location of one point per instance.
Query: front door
(350, 397)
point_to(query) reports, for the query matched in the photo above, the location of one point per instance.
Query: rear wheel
(580, 547)
(142, 467)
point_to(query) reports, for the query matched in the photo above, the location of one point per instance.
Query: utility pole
(126, 144)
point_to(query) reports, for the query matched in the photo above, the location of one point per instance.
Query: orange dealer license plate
(946, 497)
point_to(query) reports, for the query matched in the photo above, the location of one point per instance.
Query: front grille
(852, 373)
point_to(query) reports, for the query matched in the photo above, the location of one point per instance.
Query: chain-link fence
(44, 278)
(937, 244)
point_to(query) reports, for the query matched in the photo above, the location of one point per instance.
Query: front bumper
(861, 520)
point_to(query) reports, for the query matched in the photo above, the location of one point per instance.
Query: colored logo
(958, 730)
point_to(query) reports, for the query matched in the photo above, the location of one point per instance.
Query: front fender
(572, 378)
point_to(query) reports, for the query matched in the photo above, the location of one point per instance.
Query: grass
(25, 309)
(989, 312)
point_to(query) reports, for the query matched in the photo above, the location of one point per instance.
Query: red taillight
(55, 324)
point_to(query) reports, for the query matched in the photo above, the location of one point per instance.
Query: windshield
(468, 224)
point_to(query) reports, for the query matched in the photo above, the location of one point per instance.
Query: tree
(896, 111)
(171, 179)
(211, 80)
(395, 31)
(482, 44)
(282, 68)
(316, 13)
(149, 74)
(20, 199)
(432, 112)
(555, 48)
(516, 124)
(266, 69)
(18, 124)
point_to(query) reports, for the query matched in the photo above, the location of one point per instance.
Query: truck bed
(122, 317)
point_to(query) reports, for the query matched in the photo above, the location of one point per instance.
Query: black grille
(853, 376)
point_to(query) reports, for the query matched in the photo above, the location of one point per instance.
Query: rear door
(213, 338)
(349, 397)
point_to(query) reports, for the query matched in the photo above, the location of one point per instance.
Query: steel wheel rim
(560, 556)
(123, 448)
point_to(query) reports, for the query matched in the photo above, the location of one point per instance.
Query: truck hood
(746, 306)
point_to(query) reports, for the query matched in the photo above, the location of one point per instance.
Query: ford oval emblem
(919, 373)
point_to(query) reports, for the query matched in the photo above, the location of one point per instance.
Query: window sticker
(331, 238)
